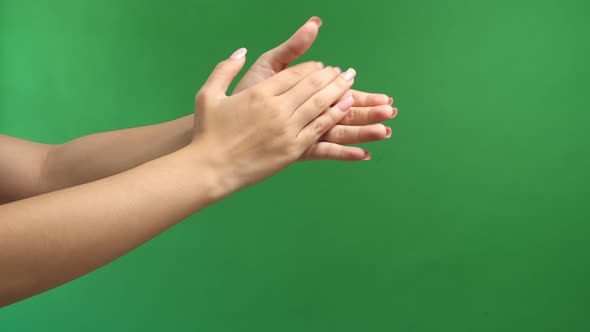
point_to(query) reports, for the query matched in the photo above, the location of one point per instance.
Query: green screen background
(472, 217)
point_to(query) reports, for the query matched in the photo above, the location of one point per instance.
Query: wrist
(214, 169)
(185, 126)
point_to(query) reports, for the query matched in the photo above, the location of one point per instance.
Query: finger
(309, 86)
(322, 99)
(225, 72)
(279, 57)
(359, 116)
(332, 151)
(286, 79)
(365, 99)
(321, 124)
(343, 96)
(356, 134)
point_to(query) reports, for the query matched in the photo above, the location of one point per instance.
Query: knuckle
(203, 96)
(319, 103)
(352, 117)
(298, 73)
(332, 118)
(220, 66)
(316, 82)
(265, 57)
(257, 94)
(318, 127)
(341, 134)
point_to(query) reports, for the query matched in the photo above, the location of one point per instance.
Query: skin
(40, 168)
(359, 126)
(239, 140)
(74, 207)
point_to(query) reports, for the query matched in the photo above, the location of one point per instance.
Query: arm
(41, 168)
(20, 167)
(241, 140)
(50, 239)
(97, 156)
(29, 168)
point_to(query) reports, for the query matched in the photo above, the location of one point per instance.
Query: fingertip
(239, 54)
(349, 74)
(353, 154)
(381, 99)
(393, 112)
(316, 20)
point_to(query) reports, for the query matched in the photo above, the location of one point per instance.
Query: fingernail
(387, 132)
(367, 155)
(349, 74)
(239, 53)
(338, 69)
(346, 103)
(320, 64)
(390, 101)
(317, 20)
(393, 112)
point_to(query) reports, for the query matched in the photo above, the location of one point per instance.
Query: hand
(360, 125)
(259, 131)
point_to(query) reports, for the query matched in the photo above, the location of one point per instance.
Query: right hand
(257, 132)
(361, 124)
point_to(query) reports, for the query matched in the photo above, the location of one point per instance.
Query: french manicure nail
(319, 20)
(239, 53)
(393, 112)
(387, 132)
(346, 103)
(349, 74)
(338, 70)
(367, 155)
(315, 19)
(390, 101)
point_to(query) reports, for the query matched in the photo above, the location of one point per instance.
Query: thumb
(280, 56)
(225, 72)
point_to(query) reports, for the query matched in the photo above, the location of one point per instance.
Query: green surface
(474, 216)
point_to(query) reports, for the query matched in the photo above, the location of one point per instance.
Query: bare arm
(20, 167)
(29, 168)
(55, 237)
(97, 156)
(50, 239)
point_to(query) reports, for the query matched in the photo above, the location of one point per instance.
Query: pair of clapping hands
(280, 115)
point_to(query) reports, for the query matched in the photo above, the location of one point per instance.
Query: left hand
(360, 125)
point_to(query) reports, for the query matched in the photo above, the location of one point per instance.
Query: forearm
(104, 154)
(50, 239)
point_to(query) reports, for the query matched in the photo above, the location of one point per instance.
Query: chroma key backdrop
(473, 216)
